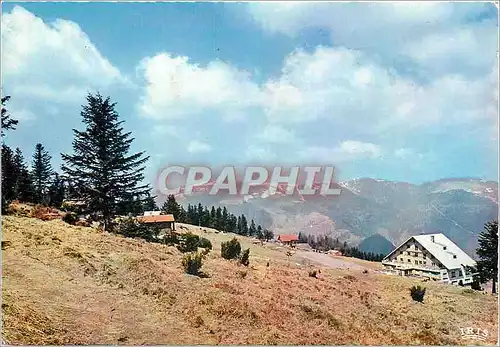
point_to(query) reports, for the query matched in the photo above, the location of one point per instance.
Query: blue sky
(397, 91)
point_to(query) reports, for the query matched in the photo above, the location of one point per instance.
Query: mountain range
(366, 207)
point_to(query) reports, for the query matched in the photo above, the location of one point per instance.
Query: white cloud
(438, 36)
(51, 61)
(175, 88)
(345, 151)
(196, 146)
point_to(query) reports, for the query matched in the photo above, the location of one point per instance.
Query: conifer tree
(487, 265)
(23, 185)
(41, 172)
(171, 206)
(253, 229)
(103, 170)
(225, 219)
(8, 123)
(218, 219)
(212, 218)
(57, 191)
(8, 176)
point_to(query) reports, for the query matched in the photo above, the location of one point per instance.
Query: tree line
(325, 243)
(216, 218)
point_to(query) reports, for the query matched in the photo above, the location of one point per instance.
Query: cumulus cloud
(437, 36)
(177, 88)
(51, 61)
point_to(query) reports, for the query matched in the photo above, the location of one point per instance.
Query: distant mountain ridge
(395, 210)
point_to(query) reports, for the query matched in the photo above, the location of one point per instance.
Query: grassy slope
(74, 285)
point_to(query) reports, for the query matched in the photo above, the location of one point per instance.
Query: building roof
(288, 238)
(157, 219)
(437, 249)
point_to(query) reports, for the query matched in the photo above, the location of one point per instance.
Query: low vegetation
(417, 293)
(192, 263)
(125, 290)
(231, 249)
(245, 258)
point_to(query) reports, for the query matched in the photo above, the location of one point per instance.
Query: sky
(395, 91)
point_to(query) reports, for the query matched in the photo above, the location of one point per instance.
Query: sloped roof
(436, 248)
(287, 238)
(157, 219)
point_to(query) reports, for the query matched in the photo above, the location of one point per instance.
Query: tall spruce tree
(41, 170)
(8, 177)
(8, 123)
(171, 206)
(57, 191)
(103, 171)
(24, 184)
(487, 265)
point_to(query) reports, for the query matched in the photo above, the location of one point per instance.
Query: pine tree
(171, 206)
(57, 191)
(244, 225)
(253, 229)
(212, 218)
(8, 177)
(487, 265)
(260, 233)
(225, 219)
(218, 219)
(24, 185)
(102, 169)
(41, 172)
(7, 122)
(150, 203)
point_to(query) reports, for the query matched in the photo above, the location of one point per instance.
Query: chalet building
(163, 221)
(288, 239)
(433, 256)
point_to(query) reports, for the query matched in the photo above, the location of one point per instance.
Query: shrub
(468, 291)
(230, 249)
(417, 293)
(476, 285)
(170, 238)
(205, 243)
(131, 227)
(188, 243)
(192, 263)
(244, 260)
(313, 273)
(70, 218)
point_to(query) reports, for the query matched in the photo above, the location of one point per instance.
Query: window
(454, 256)
(460, 273)
(409, 260)
(444, 247)
(453, 274)
(408, 253)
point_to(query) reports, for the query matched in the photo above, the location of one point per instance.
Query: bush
(476, 285)
(313, 273)
(468, 291)
(192, 263)
(131, 227)
(417, 293)
(244, 260)
(205, 243)
(70, 218)
(170, 238)
(230, 249)
(188, 243)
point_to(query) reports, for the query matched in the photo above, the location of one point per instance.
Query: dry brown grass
(76, 285)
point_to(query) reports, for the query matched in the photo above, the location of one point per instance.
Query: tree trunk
(494, 286)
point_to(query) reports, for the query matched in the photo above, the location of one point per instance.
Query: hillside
(396, 210)
(74, 285)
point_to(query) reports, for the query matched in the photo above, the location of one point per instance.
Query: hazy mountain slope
(376, 244)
